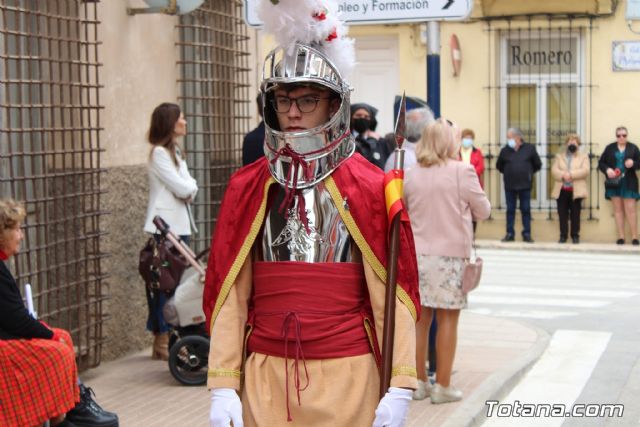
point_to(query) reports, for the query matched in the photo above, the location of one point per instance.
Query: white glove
(225, 407)
(393, 407)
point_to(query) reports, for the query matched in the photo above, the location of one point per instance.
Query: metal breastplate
(288, 240)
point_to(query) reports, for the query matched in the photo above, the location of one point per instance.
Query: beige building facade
(545, 67)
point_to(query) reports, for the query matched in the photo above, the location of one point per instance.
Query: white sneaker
(423, 390)
(441, 394)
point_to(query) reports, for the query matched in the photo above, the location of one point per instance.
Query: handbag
(161, 265)
(472, 271)
(613, 183)
(471, 275)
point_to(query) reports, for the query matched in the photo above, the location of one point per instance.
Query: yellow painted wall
(466, 101)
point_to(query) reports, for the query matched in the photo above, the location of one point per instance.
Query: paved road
(590, 304)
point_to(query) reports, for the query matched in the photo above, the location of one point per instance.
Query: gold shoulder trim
(242, 254)
(364, 247)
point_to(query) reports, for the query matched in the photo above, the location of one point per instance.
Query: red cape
(357, 189)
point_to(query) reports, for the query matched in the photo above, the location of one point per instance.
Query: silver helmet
(300, 159)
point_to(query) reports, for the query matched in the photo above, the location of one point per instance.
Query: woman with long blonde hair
(442, 196)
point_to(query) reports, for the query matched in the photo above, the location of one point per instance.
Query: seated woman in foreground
(38, 375)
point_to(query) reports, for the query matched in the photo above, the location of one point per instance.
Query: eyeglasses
(621, 135)
(306, 104)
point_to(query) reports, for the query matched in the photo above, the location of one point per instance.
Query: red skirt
(38, 380)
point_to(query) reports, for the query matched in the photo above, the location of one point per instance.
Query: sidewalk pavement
(554, 246)
(492, 354)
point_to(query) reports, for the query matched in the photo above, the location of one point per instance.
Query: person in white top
(416, 120)
(171, 191)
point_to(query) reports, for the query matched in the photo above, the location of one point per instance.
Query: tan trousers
(341, 392)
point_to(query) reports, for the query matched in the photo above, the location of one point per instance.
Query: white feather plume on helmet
(311, 22)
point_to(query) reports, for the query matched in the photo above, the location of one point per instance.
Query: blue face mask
(467, 142)
(511, 143)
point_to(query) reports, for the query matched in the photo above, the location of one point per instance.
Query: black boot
(87, 413)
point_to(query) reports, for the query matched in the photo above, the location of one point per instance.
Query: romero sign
(387, 11)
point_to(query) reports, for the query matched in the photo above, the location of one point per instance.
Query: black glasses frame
(317, 99)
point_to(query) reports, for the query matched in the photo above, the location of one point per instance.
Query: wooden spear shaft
(388, 331)
(390, 306)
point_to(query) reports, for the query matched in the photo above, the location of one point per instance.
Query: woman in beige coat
(570, 170)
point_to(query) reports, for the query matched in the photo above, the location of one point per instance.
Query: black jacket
(253, 145)
(608, 160)
(374, 150)
(518, 167)
(15, 320)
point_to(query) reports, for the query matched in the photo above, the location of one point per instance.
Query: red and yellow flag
(393, 183)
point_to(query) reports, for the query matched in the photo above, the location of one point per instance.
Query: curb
(472, 412)
(557, 247)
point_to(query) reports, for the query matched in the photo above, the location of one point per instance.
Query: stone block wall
(126, 202)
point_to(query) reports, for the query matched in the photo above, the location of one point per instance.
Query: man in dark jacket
(517, 163)
(253, 142)
(368, 142)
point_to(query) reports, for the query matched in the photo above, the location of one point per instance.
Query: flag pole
(392, 255)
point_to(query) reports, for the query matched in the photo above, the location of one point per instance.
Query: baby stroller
(189, 340)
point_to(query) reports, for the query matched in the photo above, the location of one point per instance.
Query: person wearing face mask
(368, 143)
(570, 170)
(471, 154)
(517, 162)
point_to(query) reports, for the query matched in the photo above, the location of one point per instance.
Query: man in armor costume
(295, 285)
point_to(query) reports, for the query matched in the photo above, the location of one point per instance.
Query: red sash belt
(319, 307)
(309, 311)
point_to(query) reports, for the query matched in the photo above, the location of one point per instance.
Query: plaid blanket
(38, 380)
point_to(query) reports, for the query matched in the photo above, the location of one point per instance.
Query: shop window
(540, 81)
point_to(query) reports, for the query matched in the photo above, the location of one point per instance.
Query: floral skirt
(441, 281)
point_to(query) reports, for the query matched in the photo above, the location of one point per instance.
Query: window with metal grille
(214, 87)
(540, 83)
(50, 159)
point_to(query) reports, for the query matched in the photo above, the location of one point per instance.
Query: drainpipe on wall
(433, 67)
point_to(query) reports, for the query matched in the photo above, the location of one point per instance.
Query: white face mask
(511, 143)
(467, 142)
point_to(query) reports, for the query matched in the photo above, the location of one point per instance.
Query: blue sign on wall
(626, 56)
